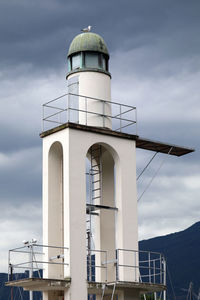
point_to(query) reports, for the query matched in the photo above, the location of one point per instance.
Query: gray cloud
(39, 32)
(155, 62)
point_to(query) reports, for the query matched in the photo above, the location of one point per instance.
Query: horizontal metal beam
(97, 206)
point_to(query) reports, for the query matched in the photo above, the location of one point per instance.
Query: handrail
(92, 264)
(151, 269)
(34, 257)
(123, 114)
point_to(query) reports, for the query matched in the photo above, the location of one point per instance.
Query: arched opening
(101, 212)
(55, 207)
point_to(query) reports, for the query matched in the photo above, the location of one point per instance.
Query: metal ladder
(95, 183)
(95, 193)
(95, 175)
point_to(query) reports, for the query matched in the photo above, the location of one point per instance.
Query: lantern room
(88, 52)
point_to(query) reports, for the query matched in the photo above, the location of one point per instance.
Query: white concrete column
(95, 85)
(107, 217)
(126, 217)
(75, 216)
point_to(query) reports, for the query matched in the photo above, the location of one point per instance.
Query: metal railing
(97, 262)
(33, 260)
(80, 109)
(140, 266)
(40, 261)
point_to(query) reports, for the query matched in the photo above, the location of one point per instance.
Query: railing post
(117, 265)
(68, 107)
(164, 278)
(120, 112)
(86, 110)
(136, 266)
(31, 269)
(149, 262)
(31, 261)
(42, 117)
(103, 113)
(160, 269)
(164, 271)
(136, 121)
(106, 266)
(154, 271)
(9, 265)
(59, 117)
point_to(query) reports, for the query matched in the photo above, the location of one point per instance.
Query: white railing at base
(40, 261)
(140, 266)
(97, 269)
(37, 261)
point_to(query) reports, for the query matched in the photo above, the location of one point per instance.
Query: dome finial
(87, 29)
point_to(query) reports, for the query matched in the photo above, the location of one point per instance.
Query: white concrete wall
(105, 223)
(95, 85)
(53, 208)
(74, 210)
(75, 145)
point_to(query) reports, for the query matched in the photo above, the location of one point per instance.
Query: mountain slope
(181, 250)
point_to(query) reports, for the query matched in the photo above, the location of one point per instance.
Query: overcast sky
(155, 64)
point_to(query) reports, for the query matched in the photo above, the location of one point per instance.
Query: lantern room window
(91, 60)
(76, 61)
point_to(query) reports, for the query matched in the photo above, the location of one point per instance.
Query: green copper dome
(88, 41)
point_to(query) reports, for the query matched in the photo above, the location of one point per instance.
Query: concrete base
(39, 284)
(129, 288)
(55, 288)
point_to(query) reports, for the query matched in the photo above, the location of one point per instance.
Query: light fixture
(25, 242)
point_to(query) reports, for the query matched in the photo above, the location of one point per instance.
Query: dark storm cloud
(154, 47)
(39, 33)
(16, 140)
(20, 174)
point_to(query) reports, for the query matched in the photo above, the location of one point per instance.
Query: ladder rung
(96, 197)
(95, 157)
(97, 173)
(93, 166)
(96, 190)
(96, 181)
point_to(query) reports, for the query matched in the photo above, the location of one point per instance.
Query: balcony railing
(142, 266)
(37, 261)
(97, 263)
(84, 110)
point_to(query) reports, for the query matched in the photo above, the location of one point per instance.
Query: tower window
(91, 60)
(76, 61)
(103, 63)
(69, 64)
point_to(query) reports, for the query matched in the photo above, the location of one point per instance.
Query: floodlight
(25, 242)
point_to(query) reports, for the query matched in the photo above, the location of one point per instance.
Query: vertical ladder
(95, 175)
(95, 182)
(95, 194)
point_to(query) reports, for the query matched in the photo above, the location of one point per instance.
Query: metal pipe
(149, 259)
(103, 114)
(120, 118)
(86, 109)
(31, 269)
(117, 264)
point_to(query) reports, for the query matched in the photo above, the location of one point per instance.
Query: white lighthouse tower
(108, 219)
(90, 231)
